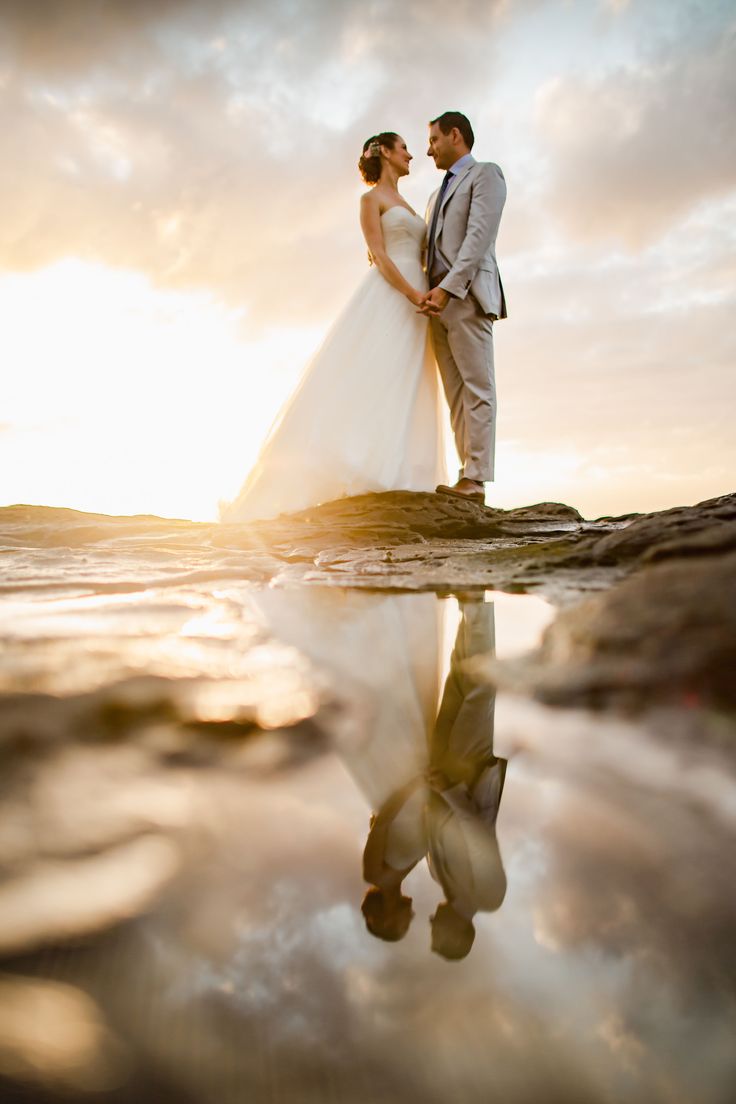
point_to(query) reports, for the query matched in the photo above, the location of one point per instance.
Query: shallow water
(191, 768)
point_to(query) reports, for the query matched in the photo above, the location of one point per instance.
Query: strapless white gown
(366, 414)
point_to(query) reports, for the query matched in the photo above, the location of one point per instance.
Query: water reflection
(466, 782)
(423, 760)
(590, 856)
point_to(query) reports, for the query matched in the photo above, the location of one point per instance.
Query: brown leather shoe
(470, 495)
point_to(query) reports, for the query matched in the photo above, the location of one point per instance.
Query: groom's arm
(486, 205)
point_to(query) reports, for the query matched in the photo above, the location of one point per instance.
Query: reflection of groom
(466, 781)
(444, 807)
(465, 294)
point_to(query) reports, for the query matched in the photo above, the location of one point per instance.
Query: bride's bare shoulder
(370, 199)
(370, 210)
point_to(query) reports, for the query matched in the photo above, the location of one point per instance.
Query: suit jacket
(464, 856)
(465, 236)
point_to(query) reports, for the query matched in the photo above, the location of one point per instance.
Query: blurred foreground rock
(667, 631)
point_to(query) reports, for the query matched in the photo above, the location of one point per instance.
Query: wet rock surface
(710, 524)
(666, 630)
(419, 541)
(661, 623)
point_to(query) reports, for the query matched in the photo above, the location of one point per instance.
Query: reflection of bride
(383, 653)
(366, 414)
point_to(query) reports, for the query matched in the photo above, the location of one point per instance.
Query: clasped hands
(437, 780)
(433, 302)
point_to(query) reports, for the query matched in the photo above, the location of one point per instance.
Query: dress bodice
(403, 233)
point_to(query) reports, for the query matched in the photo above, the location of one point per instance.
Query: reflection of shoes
(471, 496)
(466, 597)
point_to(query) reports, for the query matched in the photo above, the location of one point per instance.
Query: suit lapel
(451, 187)
(431, 206)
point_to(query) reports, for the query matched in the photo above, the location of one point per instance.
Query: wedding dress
(382, 653)
(366, 414)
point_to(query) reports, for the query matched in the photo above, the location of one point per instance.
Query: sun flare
(125, 398)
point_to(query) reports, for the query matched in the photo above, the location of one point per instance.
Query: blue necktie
(435, 215)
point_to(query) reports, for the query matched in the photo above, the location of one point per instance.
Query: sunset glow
(178, 229)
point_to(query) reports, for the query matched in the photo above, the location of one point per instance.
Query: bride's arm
(370, 223)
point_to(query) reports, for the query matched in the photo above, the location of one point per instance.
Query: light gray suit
(464, 855)
(463, 262)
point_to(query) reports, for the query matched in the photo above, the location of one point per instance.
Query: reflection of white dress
(381, 652)
(366, 414)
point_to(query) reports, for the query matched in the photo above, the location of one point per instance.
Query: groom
(465, 294)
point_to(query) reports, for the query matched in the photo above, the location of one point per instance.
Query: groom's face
(442, 149)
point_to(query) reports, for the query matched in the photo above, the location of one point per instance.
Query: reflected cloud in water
(581, 897)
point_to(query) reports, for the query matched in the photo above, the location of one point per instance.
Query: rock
(644, 636)
(664, 527)
(532, 564)
(53, 901)
(401, 517)
(714, 540)
(58, 526)
(415, 541)
(53, 1035)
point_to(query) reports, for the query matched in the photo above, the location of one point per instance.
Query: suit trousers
(462, 740)
(462, 337)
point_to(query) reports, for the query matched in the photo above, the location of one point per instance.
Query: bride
(366, 413)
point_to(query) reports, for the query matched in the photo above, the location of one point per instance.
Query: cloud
(53, 38)
(216, 148)
(266, 961)
(642, 897)
(636, 150)
(621, 363)
(264, 957)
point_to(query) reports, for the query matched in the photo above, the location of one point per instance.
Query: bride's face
(399, 157)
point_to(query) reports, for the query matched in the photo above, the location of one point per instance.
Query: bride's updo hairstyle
(370, 161)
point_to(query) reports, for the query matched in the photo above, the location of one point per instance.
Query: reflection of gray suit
(463, 850)
(463, 262)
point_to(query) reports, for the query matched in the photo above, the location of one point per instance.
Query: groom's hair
(449, 119)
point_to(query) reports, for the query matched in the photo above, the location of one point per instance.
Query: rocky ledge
(647, 601)
(404, 540)
(650, 600)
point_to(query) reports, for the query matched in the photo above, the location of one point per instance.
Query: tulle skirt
(365, 415)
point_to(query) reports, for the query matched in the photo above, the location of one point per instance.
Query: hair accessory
(373, 149)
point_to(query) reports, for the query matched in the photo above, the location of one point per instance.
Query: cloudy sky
(178, 228)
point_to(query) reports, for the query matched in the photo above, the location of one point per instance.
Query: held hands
(433, 303)
(437, 781)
